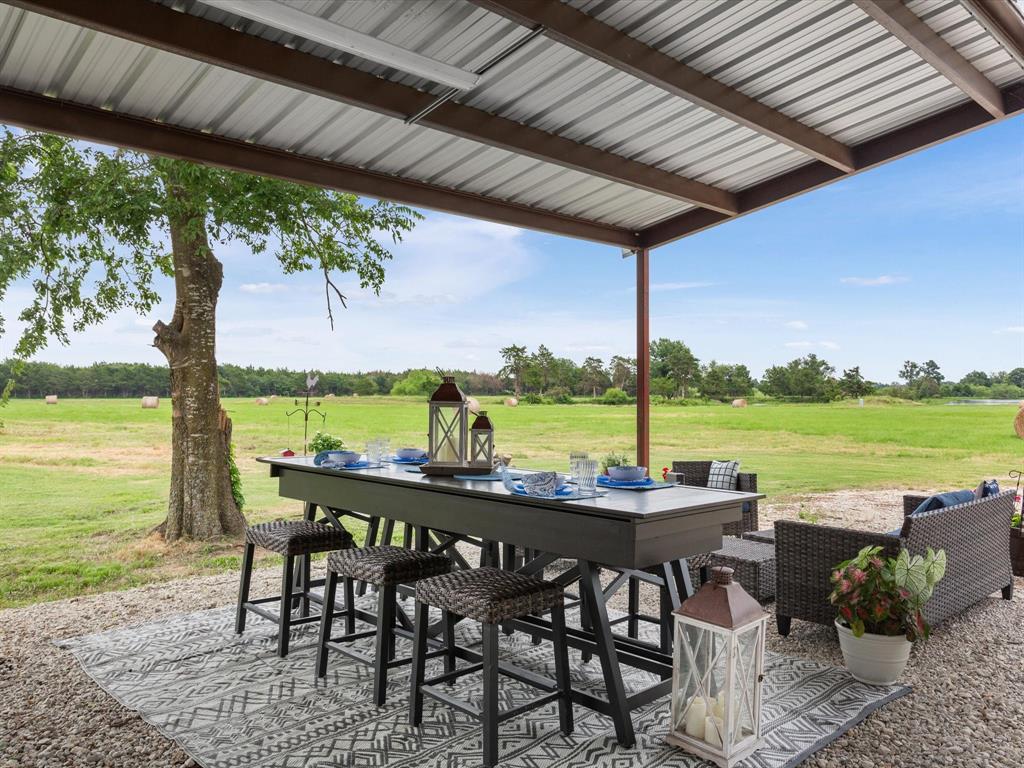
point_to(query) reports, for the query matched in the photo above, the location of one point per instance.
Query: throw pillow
(724, 475)
(943, 500)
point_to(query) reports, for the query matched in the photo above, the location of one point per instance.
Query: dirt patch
(867, 510)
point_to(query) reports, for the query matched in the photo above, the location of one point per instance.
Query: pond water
(983, 402)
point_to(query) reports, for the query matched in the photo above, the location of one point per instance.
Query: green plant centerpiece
(879, 605)
(324, 441)
(614, 460)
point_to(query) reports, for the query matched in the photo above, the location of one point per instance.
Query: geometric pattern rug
(229, 702)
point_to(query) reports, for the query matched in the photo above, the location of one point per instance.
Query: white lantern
(448, 432)
(717, 671)
(481, 442)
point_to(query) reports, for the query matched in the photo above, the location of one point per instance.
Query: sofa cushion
(943, 500)
(724, 475)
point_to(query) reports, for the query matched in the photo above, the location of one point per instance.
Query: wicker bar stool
(292, 539)
(385, 567)
(490, 596)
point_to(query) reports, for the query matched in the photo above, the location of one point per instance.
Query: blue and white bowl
(343, 457)
(627, 473)
(411, 453)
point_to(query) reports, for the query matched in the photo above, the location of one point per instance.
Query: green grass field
(83, 482)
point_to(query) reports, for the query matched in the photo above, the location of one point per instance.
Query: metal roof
(827, 65)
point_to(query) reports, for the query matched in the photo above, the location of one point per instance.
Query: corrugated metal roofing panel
(824, 63)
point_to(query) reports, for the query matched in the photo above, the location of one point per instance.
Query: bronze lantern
(717, 672)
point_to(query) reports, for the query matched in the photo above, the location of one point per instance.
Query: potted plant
(878, 601)
(613, 460)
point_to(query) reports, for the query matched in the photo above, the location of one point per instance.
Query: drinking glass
(586, 476)
(574, 458)
(385, 448)
(373, 452)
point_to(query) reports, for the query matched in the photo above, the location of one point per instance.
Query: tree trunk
(201, 504)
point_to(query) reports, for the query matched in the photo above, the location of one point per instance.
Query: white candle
(718, 708)
(695, 715)
(713, 730)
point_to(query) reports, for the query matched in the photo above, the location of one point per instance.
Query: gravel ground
(966, 708)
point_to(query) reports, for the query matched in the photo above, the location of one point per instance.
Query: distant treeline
(139, 379)
(541, 377)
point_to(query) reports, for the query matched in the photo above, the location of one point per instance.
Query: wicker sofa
(975, 536)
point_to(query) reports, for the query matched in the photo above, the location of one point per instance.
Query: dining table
(624, 530)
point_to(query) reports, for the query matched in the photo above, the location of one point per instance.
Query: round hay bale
(474, 404)
(273, 397)
(150, 402)
(511, 402)
(739, 403)
(1018, 423)
(51, 399)
(328, 396)
(262, 401)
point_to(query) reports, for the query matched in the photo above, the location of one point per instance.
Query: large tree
(516, 359)
(674, 360)
(90, 230)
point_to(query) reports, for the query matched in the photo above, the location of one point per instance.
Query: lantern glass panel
(745, 684)
(702, 654)
(447, 433)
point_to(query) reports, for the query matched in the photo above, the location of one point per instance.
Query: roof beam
(878, 151)
(1002, 20)
(601, 41)
(40, 113)
(155, 25)
(913, 32)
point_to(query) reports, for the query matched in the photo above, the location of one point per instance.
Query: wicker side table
(753, 564)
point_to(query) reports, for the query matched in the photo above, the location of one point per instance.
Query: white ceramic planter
(874, 659)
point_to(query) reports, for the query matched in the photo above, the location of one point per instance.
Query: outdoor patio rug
(229, 701)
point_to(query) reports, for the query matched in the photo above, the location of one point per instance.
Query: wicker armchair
(975, 536)
(696, 473)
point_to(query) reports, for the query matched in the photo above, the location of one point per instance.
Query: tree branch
(328, 287)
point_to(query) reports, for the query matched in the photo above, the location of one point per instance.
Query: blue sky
(922, 258)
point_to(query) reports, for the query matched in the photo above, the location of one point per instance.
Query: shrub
(531, 398)
(560, 395)
(615, 396)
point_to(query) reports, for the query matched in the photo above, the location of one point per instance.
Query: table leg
(302, 562)
(590, 585)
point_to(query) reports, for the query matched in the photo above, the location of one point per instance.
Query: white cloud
(797, 325)
(678, 286)
(875, 281)
(811, 345)
(262, 287)
(1012, 329)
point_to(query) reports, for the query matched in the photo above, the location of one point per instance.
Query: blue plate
(607, 482)
(399, 460)
(561, 492)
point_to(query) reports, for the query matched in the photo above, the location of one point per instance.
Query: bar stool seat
(385, 567)
(298, 537)
(292, 539)
(490, 596)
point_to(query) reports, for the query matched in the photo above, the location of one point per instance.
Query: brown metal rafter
(40, 113)
(148, 23)
(605, 43)
(915, 33)
(891, 146)
(1001, 20)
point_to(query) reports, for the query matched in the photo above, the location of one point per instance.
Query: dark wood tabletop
(624, 527)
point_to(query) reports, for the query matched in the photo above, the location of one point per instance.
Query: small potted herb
(323, 441)
(878, 601)
(613, 460)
